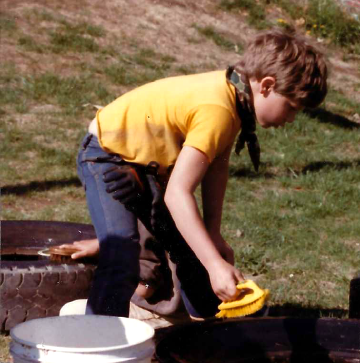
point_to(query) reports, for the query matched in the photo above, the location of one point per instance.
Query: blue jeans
(117, 274)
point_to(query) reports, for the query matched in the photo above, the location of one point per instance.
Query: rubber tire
(39, 288)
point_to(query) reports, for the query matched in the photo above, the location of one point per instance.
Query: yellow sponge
(251, 299)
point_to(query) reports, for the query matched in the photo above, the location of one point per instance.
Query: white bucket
(82, 339)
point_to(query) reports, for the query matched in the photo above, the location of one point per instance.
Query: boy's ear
(267, 85)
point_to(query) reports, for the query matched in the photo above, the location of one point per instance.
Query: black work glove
(160, 218)
(159, 214)
(124, 184)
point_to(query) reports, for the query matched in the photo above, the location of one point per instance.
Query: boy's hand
(224, 277)
(86, 248)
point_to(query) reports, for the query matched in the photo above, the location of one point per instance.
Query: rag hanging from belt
(246, 113)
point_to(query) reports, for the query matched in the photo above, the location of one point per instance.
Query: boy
(170, 136)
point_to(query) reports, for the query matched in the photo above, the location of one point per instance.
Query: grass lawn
(294, 225)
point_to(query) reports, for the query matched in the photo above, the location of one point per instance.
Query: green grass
(70, 93)
(29, 44)
(68, 36)
(256, 11)
(224, 43)
(323, 18)
(145, 65)
(292, 8)
(67, 25)
(296, 221)
(67, 41)
(76, 38)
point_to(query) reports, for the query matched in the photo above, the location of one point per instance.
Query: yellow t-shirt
(153, 122)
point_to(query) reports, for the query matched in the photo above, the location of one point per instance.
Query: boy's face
(271, 108)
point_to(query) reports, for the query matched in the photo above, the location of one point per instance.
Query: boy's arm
(190, 169)
(213, 189)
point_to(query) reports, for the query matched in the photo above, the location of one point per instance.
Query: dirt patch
(165, 26)
(353, 243)
(345, 76)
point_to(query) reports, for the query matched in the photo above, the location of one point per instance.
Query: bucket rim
(79, 350)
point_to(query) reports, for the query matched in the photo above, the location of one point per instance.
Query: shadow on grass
(331, 118)
(37, 186)
(341, 165)
(249, 173)
(298, 310)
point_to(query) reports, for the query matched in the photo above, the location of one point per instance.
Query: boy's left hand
(123, 183)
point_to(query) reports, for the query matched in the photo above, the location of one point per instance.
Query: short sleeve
(211, 129)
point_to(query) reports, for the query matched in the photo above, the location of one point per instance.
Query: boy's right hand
(224, 277)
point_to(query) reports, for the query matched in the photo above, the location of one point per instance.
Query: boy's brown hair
(299, 68)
